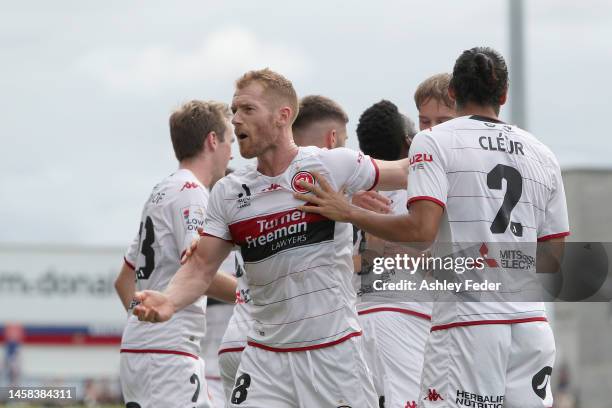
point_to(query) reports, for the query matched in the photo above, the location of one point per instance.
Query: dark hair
(315, 108)
(192, 122)
(382, 131)
(480, 76)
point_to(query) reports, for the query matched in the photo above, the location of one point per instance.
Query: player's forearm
(223, 288)
(125, 286)
(395, 228)
(190, 282)
(393, 174)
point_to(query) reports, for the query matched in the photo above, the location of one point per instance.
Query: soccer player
(160, 366)
(475, 179)
(433, 102)
(320, 122)
(395, 330)
(304, 348)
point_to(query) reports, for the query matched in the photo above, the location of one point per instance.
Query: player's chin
(247, 153)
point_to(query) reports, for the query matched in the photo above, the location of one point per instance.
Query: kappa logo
(410, 404)
(301, 176)
(272, 187)
(432, 395)
(189, 185)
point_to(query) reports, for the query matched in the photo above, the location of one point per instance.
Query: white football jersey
(169, 223)
(235, 336)
(497, 184)
(369, 301)
(298, 265)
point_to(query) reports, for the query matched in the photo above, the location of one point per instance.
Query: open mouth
(241, 135)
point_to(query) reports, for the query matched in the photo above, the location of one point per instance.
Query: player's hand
(327, 202)
(154, 307)
(191, 248)
(373, 201)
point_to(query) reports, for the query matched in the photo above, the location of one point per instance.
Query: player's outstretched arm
(191, 281)
(421, 225)
(125, 285)
(223, 288)
(393, 175)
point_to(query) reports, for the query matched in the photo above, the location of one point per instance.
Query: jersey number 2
(514, 190)
(147, 249)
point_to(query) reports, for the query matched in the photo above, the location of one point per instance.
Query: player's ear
(504, 97)
(331, 139)
(451, 93)
(284, 116)
(211, 141)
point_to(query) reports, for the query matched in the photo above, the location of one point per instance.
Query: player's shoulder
(443, 130)
(234, 182)
(330, 156)
(182, 185)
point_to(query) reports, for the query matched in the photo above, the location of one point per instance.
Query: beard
(252, 147)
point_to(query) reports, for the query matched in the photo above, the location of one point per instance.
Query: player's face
(433, 112)
(223, 153)
(253, 120)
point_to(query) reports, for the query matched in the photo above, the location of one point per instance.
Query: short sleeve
(555, 223)
(131, 255)
(187, 215)
(351, 169)
(427, 178)
(216, 223)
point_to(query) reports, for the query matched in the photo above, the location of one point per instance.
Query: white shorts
(489, 366)
(229, 361)
(150, 380)
(394, 343)
(335, 376)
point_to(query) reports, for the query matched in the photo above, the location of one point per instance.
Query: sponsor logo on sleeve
(193, 216)
(419, 160)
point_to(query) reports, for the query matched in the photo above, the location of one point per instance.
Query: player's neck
(201, 168)
(276, 160)
(473, 109)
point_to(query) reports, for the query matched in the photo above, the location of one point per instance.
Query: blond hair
(272, 82)
(435, 87)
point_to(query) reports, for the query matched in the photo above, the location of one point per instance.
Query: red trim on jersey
(230, 350)
(377, 176)
(67, 339)
(154, 351)
(428, 198)
(552, 236)
(395, 309)
(316, 346)
(204, 234)
(128, 263)
(482, 322)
